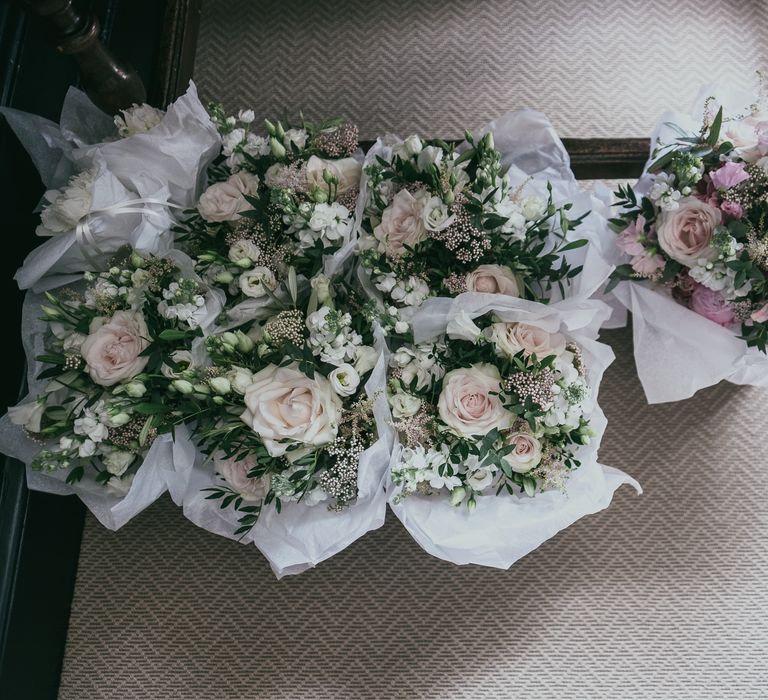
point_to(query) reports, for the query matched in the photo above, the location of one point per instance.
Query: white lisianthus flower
(365, 359)
(480, 479)
(180, 357)
(462, 327)
(344, 380)
(436, 215)
(258, 282)
(322, 285)
(87, 448)
(90, 425)
(68, 205)
(239, 378)
(244, 250)
(401, 327)
(246, 116)
(117, 461)
(429, 156)
(298, 137)
(138, 119)
(28, 415)
(404, 405)
(533, 207)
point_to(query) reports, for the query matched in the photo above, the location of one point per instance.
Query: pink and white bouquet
(496, 412)
(694, 234)
(98, 420)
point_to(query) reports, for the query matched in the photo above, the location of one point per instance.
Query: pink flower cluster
(631, 242)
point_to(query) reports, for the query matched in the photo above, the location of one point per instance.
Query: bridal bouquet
(442, 222)
(694, 232)
(496, 411)
(106, 356)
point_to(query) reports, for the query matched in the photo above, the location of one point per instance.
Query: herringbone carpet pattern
(660, 596)
(599, 68)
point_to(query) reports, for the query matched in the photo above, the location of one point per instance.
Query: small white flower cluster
(331, 336)
(419, 465)
(417, 362)
(328, 223)
(92, 425)
(240, 142)
(182, 301)
(138, 119)
(570, 395)
(116, 284)
(716, 275)
(519, 211)
(68, 205)
(664, 195)
(410, 291)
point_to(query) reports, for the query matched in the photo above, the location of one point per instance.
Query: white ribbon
(85, 236)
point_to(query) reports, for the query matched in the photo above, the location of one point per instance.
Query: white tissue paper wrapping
(301, 535)
(535, 155)
(505, 528)
(677, 351)
(166, 165)
(112, 509)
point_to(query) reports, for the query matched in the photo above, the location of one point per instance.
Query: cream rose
(512, 338)
(401, 224)
(235, 473)
(527, 452)
(223, 201)
(493, 279)
(113, 350)
(466, 404)
(346, 170)
(685, 233)
(284, 406)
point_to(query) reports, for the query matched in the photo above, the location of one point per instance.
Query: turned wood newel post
(110, 84)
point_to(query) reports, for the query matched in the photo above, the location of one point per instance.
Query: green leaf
(573, 245)
(150, 409)
(529, 485)
(172, 334)
(714, 130)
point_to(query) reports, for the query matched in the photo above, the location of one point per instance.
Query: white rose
(404, 405)
(511, 338)
(469, 404)
(493, 279)
(235, 473)
(117, 461)
(257, 282)
(436, 215)
(462, 327)
(366, 358)
(401, 224)
(527, 452)
(244, 249)
(224, 201)
(28, 415)
(346, 170)
(430, 155)
(239, 378)
(284, 406)
(344, 380)
(113, 349)
(138, 119)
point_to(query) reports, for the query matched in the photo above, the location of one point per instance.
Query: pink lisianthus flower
(647, 263)
(761, 315)
(712, 305)
(729, 175)
(733, 210)
(628, 240)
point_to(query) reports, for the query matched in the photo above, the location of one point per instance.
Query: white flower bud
(182, 386)
(220, 385)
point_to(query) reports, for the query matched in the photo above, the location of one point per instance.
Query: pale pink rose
(284, 406)
(466, 404)
(493, 279)
(628, 240)
(224, 201)
(728, 175)
(346, 170)
(685, 233)
(761, 315)
(527, 452)
(235, 473)
(647, 264)
(712, 305)
(732, 209)
(401, 224)
(512, 338)
(113, 350)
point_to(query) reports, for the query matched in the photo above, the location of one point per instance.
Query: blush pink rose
(224, 201)
(512, 338)
(235, 473)
(493, 279)
(401, 224)
(712, 305)
(685, 233)
(112, 351)
(527, 453)
(728, 175)
(469, 404)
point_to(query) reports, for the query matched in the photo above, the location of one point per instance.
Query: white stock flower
(331, 221)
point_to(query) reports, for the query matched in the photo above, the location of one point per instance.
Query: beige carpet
(661, 596)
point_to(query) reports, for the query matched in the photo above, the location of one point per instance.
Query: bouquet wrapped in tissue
(496, 413)
(693, 233)
(102, 360)
(496, 215)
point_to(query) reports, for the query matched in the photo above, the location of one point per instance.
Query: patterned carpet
(660, 596)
